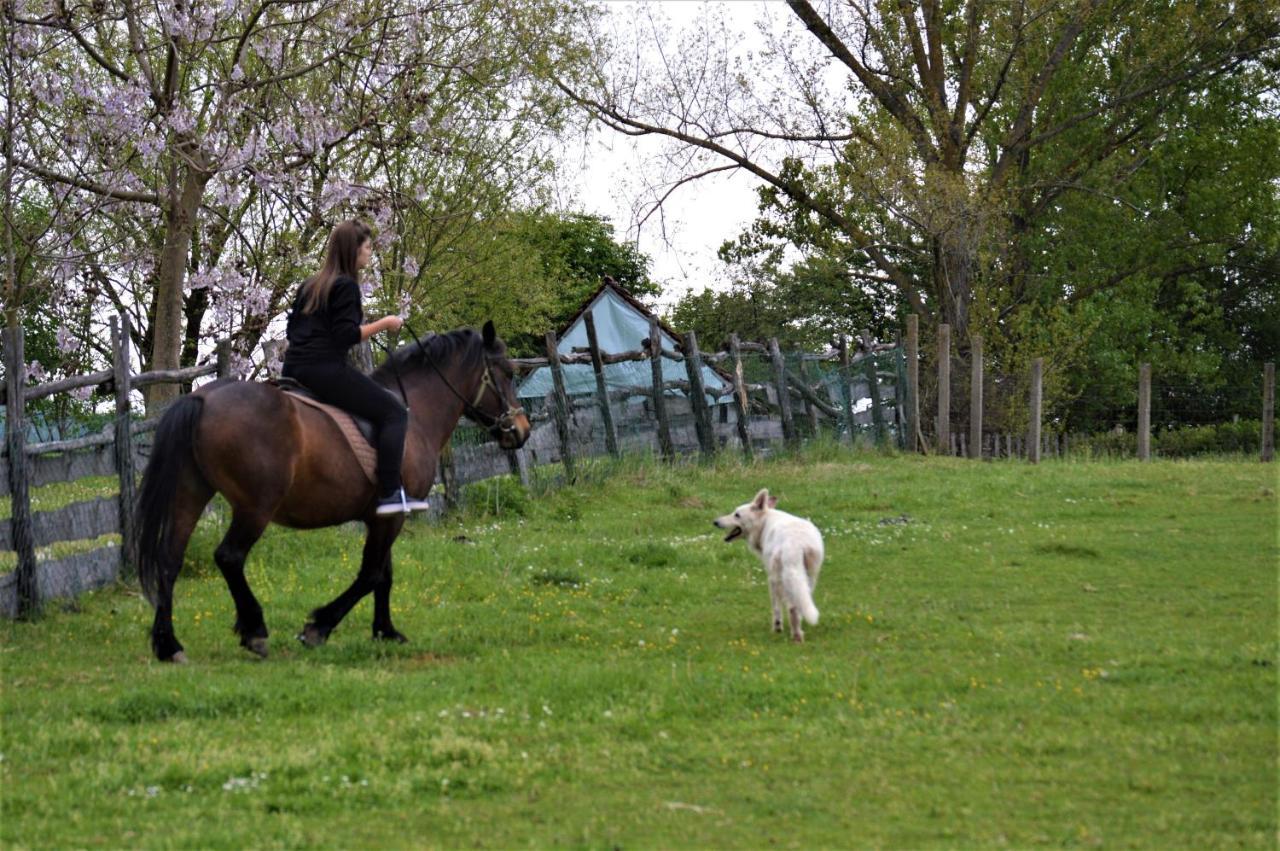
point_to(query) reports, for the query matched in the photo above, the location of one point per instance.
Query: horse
(277, 460)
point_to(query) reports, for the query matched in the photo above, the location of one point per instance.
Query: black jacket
(325, 335)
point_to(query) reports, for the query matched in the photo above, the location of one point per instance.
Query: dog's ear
(762, 500)
(773, 501)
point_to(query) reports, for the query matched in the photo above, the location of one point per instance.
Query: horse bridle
(504, 424)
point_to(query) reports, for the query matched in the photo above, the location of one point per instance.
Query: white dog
(791, 549)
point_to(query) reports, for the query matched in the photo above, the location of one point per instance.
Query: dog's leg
(797, 634)
(775, 599)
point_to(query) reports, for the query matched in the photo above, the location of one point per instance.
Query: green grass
(1069, 655)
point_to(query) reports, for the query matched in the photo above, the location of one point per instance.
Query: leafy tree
(529, 272)
(960, 142)
(205, 149)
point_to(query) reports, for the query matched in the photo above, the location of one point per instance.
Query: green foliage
(1013, 633)
(1113, 228)
(528, 272)
(500, 496)
(1234, 438)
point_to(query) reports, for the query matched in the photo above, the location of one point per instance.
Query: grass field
(1074, 655)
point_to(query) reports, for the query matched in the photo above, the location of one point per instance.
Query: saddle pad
(365, 454)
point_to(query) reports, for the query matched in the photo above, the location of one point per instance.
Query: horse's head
(495, 405)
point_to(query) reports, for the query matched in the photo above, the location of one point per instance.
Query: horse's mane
(441, 348)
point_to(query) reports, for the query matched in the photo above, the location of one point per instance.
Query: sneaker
(400, 503)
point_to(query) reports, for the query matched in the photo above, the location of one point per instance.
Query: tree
(209, 146)
(528, 271)
(957, 133)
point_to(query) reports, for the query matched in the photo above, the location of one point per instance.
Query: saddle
(358, 431)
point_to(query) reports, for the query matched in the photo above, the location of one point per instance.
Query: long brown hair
(339, 261)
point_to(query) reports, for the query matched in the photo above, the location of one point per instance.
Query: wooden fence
(785, 403)
(673, 418)
(1035, 443)
(678, 425)
(118, 451)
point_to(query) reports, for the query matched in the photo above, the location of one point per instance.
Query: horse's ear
(489, 334)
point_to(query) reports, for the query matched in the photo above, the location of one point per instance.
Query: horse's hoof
(312, 635)
(390, 635)
(178, 658)
(257, 646)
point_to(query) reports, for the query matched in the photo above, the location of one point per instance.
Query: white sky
(681, 240)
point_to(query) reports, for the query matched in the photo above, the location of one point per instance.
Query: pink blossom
(67, 341)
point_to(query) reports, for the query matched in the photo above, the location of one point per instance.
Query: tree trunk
(167, 329)
(953, 285)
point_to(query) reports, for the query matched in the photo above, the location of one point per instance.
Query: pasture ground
(1080, 654)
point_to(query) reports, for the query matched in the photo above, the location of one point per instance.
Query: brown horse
(277, 460)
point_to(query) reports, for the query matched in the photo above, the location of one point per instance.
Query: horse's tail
(171, 454)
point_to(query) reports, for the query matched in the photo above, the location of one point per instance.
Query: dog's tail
(796, 587)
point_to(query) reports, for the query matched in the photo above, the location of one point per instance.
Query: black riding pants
(345, 387)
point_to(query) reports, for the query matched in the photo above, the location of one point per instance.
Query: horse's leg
(377, 551)
(191, 498)
(245, 530)
(382, 628)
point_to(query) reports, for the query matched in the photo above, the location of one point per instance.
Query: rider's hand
(392, 323)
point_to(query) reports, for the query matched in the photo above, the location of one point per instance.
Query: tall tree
(210, 145)
(956, 132)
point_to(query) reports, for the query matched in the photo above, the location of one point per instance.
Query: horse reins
(505, 423)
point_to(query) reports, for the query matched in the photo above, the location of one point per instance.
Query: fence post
(1037, 396)
(846, 395)
(20, 524)
(740, 399)
(665, 446)
(810, 412)
(560, 407)
(124, 444)
(944, 387)
(519, 464)
(1144, 412)
(1269, 412)
(784, 395)
(602, 389)
(698, 396)
(913, 383)
(224, 358)
(975, 398)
